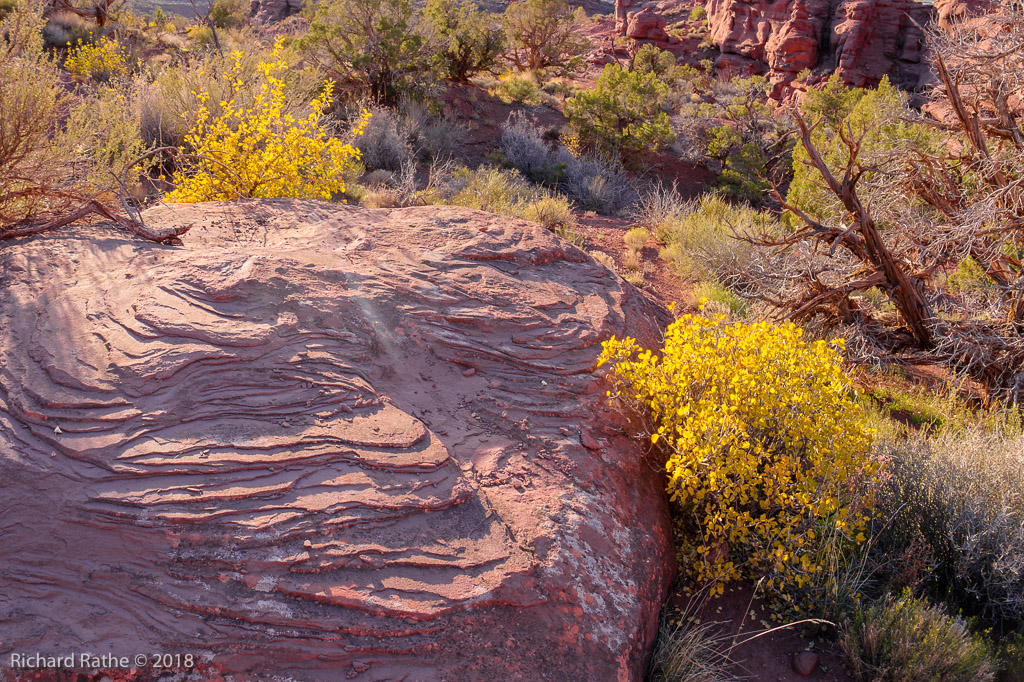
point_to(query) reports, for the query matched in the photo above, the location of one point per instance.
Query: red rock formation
(328, 443)
(863, 39)
(646, 25)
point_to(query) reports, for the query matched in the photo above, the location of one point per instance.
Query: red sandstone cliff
(862, 39)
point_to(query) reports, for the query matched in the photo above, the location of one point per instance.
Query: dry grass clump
(635, 238)
(687, 652)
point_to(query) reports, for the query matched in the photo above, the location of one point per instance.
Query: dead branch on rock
(132, 221)
(93, 206)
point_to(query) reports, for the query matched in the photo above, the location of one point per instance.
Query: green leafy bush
(734, 128)
(374, 47)
(879, 116)
(471, 42)
(228, 13)
(543, 34)
(622, 113)
(908, 640)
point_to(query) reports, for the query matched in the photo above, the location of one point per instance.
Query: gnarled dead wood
(92, 206)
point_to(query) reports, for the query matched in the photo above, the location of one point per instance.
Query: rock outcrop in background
(863, 40)
(325, 442)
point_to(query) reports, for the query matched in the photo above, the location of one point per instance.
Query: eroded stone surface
(266, 447)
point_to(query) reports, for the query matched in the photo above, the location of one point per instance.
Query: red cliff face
(862, 39)
(320, 442)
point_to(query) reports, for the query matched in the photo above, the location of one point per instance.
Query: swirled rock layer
(327, 443)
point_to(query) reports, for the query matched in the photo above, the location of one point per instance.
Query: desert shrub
(100, 61)
(518, 88)
(551, 211)
(657, 204)
(506, 193)
(733, 127)
(384, 143)
(651, 59)
(228, 13)
(471, 42)
(907, 640)
(1011, 659)
(6, 7)
(105, 128)
(438, 137)
(720, 297)
(67, 28)
(701, 240)
(543, 34)
(180, 94)
(688, 652)
(767, 448)
(956, 502)
(594, 182)
(698, 13)
(374, 47)
(523, 147)
(258, 150)
(434, 135)
(622, 113)
(201, 35)
(34, 159)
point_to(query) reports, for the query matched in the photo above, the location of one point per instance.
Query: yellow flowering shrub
(767, 447)
(100, 61)
(259, 150)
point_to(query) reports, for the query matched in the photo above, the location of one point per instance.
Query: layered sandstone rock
(862, 39)
(327, 443)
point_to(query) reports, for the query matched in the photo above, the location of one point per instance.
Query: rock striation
(863, 40)
(328, 443)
